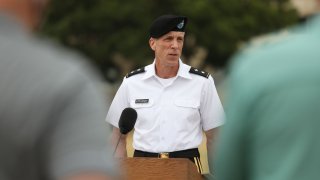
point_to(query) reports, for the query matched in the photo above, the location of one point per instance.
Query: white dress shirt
(171, 116)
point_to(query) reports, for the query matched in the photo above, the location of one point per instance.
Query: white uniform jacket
(172, 117)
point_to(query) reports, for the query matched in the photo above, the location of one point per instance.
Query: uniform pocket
(186, 113)
(145, 111)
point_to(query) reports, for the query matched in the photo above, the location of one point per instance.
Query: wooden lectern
(162, 169)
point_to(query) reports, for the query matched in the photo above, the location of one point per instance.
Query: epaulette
(134, 72)
(199, 72)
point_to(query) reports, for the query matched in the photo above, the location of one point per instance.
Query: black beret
(166, 23)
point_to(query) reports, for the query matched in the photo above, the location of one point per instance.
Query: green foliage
(103, 28)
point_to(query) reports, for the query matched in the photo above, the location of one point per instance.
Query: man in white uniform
(175, 103)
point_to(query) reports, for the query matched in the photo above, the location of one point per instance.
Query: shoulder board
(199, 72)
(134, 72)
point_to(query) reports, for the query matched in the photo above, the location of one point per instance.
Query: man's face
(168, 48)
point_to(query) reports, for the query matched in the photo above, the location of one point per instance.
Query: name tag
(141, 101)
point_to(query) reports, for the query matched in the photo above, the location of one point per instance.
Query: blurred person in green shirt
(273, 110)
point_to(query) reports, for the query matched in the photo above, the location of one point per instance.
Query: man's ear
(152, 43)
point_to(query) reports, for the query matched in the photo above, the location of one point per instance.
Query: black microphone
(126, 122)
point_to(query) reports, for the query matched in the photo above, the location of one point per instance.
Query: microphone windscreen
(127, 120)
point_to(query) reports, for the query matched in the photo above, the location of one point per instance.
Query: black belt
(188, 153)
(192, 154)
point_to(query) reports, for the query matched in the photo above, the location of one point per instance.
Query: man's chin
(173, 59)
(173, 63)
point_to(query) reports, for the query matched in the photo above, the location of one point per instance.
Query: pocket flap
(189, 103)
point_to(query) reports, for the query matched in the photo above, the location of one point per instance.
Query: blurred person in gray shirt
(51, 113)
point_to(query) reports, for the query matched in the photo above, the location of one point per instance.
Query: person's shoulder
(199, 72)
(263, 48)
(288, 38)
(265, 42)
(52, 54)
(135, 72)
(60, 63)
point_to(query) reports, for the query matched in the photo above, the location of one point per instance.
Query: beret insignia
(180, 25)
(199, 72)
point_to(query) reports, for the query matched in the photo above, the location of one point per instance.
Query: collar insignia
(134, 72)
(199, 72)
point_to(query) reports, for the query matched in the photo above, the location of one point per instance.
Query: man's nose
(174, 44)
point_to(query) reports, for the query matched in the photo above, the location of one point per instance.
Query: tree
(115, 32)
